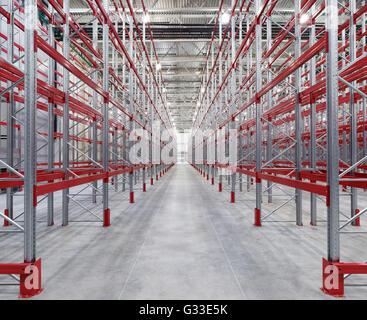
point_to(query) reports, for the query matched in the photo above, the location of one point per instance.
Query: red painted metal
(333, 275)
(30, 277)
(357, 220)
(6, 222)
(257, 222)
(106, 218)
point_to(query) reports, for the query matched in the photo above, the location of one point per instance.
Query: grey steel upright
(353, 110)
(10, 112)
(297, 114)
(333, 235)
(312, 144)
(144, 104)
(65, 140)
(269, 98)
(258, 135)
(95, 106)
(30, 10)
(105, 142)
(51, 122)
(131, 107)
(232, 107)
(220, 117)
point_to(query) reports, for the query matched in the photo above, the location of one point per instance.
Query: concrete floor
(183, 240)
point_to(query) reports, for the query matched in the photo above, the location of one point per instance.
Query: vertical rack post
(332, 131)
(115, 115)
(65, 136)
(332, 199)
(269, 98)
(353, 111)
(248, 66)
(51, 122)
(105, 49)
(297, 114)
(30, 11)
(240, 100)
(144, 105)
(312, 142)
(10, 114)
(214, 124)
(131, 108)
(220, 116)
(95, 105)
(124, 142)
(151, 121)
(232, 107)
(258, 135)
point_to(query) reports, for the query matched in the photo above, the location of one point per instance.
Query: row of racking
(73, 112)
(289, 93)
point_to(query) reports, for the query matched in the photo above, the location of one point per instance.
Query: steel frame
(93, 98)
(298, 100)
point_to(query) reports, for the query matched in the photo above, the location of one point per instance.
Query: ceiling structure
(182, 31)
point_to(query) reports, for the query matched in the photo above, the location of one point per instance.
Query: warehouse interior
(183, 149)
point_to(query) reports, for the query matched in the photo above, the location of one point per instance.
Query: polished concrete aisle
(180, 240)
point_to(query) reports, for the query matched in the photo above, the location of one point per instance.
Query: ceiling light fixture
(146, 18)
(225, 18)
(304, 19)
